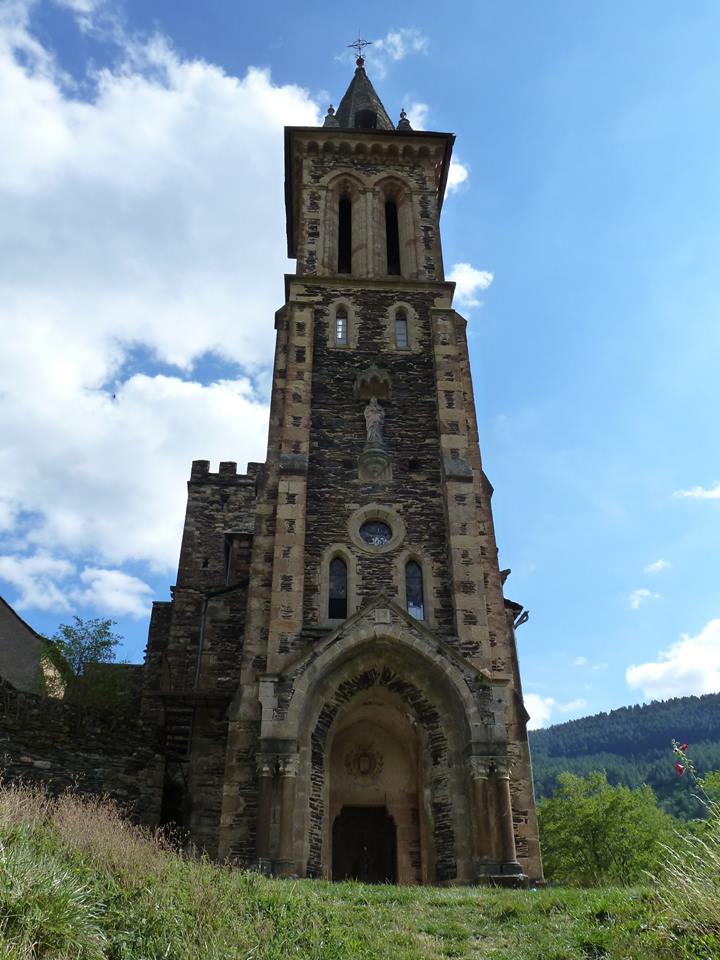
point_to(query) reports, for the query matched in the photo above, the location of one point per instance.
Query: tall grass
(78, 882)
(689, 892)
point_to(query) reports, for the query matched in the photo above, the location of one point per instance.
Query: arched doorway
(364, 845)
(378, 825)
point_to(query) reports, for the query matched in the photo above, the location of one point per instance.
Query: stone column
(510, 864)
(266, 766)
(480, 770)
(288, 767)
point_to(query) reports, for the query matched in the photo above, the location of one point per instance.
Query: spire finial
(360, 45)
(403, 123)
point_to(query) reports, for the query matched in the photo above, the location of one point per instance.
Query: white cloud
(638, 597)
(133, 223)
(114, 592)
(45, 582)
(417, 115)
(572, 706)
(457, 175)
(542, 708)
(36, 580)
(79, 6)
(580, 662)
(701, 493)
(468, 282)
(657, 566)
(690, 666)
(539, 708)
(393, 47)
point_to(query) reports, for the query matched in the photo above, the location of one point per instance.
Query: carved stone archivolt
(364, 763)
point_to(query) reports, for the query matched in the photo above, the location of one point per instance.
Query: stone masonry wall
(65, 747)
(338, 434)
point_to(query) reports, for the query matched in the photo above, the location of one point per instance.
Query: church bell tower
(336, 678)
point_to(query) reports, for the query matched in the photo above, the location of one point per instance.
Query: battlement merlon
(226, 473)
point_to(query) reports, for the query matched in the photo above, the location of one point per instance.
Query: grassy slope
(77, 881)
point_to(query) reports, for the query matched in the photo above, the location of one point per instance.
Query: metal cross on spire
(360, 45)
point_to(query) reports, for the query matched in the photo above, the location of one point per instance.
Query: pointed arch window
(401, 330)
(338, 590)
(392, 238)
(414, 590)
(341, 327)
(345, 235)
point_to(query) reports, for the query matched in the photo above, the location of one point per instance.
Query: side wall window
(341, 327)
(414, 590)
(402, 341)
(338, 590)
(392, 238)
(345, 236)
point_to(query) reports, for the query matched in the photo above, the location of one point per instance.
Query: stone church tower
(336, 679)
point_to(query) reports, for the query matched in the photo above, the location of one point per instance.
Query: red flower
(679, 769)
(683, 747)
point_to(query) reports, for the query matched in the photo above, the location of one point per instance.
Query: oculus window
(376, 533)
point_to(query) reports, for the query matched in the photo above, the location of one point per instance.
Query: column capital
(480, 767)
(288, 765)
(502, 767)
(266, 764)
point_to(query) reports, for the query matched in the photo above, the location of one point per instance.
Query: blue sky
(142, 240)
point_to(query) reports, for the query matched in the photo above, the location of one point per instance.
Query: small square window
(401, 333)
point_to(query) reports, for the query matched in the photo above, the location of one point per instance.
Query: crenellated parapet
(227, 472)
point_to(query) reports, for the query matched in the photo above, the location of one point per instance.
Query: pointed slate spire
(361, 107)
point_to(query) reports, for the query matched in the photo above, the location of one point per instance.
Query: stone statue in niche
(374, 420)
(374, 463)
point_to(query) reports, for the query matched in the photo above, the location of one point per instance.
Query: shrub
(594, 834)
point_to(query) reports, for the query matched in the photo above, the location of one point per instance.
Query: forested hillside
(633, 746)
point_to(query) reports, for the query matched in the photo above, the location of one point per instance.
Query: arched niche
(389, 671)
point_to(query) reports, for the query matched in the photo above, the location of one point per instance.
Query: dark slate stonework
(338, 435)
(68, 748)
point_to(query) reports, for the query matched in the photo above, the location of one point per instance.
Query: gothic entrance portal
(365, 845)
(377, 825)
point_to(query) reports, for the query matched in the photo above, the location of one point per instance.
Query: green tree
(594, 834)
(86, 642)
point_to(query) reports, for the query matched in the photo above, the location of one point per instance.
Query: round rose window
(376, 533)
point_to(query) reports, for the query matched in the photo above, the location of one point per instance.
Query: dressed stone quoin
(335, 680)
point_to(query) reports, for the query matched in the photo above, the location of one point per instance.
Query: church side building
(335, 681)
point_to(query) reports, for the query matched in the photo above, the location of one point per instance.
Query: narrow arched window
(337, 593)
(345, 236)
(414, 590)
(341, 327)
(392, 238)
(401, 330)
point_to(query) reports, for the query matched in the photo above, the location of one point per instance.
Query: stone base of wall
(65, 747)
